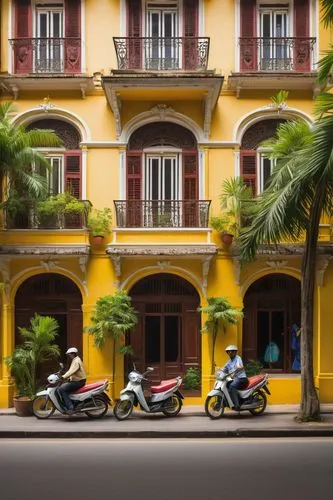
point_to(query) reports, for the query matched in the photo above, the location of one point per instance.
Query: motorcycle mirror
(61, 365)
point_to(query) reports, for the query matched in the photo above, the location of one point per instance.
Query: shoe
(70, 412)
(237, 408)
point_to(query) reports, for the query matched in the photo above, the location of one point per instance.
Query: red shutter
(134, 186)
(190, 45)
(190, 189)
(248, 169)
(73, 173)
(23, 31)
(134, 33)
(248, 45)
(302, 53)
(72, 36)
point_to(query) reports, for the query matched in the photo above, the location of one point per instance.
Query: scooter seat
(165, 385)
(253, 381)
(90, 387)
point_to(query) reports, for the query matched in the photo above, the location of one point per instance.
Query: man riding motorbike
(235, 368)
(76, 376)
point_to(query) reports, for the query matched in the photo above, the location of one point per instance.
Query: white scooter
(89, 399)
(251, 397)
(165, 397)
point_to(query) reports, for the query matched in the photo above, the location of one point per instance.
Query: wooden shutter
(134, 187)
(23, 31)
(302, 52)
(191, 339)
(248, 169)
(72, 36)
(190, 189)
(248, 44)
(190, 42)
(134, 33)
(73, 173)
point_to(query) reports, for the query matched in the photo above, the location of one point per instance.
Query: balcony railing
(31, 219)
(46, 55)
(162, 214)
(276, 54)
(162, 54)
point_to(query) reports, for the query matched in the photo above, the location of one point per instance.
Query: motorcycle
(165, 397)
(90, 399)
(251, 398)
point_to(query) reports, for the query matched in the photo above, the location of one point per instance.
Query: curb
(235, 433)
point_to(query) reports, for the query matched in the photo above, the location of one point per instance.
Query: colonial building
(156, 103)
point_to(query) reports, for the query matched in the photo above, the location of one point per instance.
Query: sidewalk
(277, 421)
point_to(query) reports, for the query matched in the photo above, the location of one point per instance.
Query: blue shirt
(233, 364)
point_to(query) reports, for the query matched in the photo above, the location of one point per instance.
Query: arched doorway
(272, 313)
(167, 336)
(53, 295)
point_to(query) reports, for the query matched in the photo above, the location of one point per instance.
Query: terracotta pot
(23, 406)
(226, 238)
(98, 240)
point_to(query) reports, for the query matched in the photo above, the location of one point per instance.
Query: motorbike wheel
(214, 407)
(261, 397)
(172, 406)
(43, 407)
(123, 409)
(101, 409)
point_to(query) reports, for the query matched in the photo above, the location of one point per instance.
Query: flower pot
(227, 238)
(98, 240)
(23, 406)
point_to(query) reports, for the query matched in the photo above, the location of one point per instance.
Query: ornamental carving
(67, 133)
(162, 134)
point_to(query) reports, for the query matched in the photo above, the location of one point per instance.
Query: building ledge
(273, 80)
(161, 250)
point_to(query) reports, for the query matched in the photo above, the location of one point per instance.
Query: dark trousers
(236, 384)
(67, 388)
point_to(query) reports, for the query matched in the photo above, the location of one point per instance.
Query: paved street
(201, 469)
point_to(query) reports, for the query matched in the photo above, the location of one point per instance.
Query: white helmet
(72, 350)
(231, 348)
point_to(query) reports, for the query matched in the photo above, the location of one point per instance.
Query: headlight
(220, 375)
(133, 377)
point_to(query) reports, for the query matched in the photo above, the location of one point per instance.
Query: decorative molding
(46, 104)
(276, 264)
(205, 271)
(49, 264)
(163, 264)
(237, 269)
(83, 260)
(322, 264)
(161, 111)
(116, 107)
(5, 270)
(116, 260)
(161, 250)
(57, 250)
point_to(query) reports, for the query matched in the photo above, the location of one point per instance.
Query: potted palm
(220, 314)
(113, 317)
(99, 223)
(38, 346)
(236, 203)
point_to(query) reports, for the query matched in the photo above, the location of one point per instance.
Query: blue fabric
(232, 365)
(66, 389)
(272, 353)
(296, 346)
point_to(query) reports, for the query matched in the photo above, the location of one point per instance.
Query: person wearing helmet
(235, 368)
(76, 377)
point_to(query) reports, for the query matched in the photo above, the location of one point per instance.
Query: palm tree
(18, 154)
(113, 317)
(38, 346)
(299, 193)
(220, 314)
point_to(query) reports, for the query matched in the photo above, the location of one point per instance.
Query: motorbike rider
(235, 368)
(76, 377)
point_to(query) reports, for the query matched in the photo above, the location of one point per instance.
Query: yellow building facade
(157, 102)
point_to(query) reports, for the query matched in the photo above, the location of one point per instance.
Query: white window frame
(48, 8)
(273, 11)
(262, 155)
(49, 173)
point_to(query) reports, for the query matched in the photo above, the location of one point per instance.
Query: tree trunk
(114, 368)
(213, 352)
(310, 406)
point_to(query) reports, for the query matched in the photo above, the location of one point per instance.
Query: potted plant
(113, 317)
(220, 314)
(59, 210)
(37, 347)
(99, 223)
(192, 378)
(73, 212)
(236, 203)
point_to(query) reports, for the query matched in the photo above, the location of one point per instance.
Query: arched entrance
(167, 336)
(272, 309)
(53, 295)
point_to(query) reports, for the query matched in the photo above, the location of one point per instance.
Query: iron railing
(46, 55)
(276, 54)
(162, 213)
(162, 54)
(31, 219)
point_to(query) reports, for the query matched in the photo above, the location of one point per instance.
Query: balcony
(268, 63)
(162, 54)
(56, 62)
(162, 214)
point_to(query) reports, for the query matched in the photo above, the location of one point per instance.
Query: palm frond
(325, 65)
(327, 12)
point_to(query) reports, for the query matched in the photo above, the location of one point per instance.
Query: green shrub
(253, 367)
(192, 378)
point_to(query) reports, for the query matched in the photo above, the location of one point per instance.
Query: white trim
(266, 113)
(33, 114)
(315, 31)
(123, 18)
(84, 174)
(237, 35)
(83, 68)
(122, 175)
(151, 117)
(10, 49)
(201, 18)
(250, 280)
(120, 144)
(237, 163)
